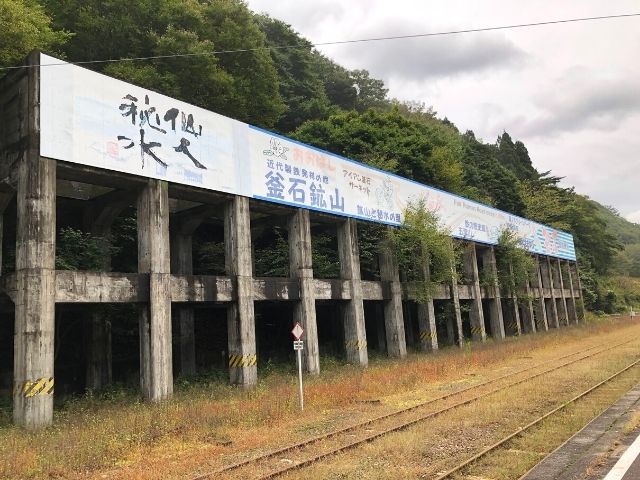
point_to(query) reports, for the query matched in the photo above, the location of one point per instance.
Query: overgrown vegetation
(514, 263)
(421, 241)
(76, 250)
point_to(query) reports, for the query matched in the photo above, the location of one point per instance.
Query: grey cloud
(584, 100)
(303, 16)
(428, 57)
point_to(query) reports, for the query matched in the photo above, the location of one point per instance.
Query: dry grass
(120, 437)
(441, 443)
(632, 424)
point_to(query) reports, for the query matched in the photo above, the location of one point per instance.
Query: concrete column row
(35, 275)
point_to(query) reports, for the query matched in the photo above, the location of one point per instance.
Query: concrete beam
(355, 336)
(241, 328)
(301, 270)
(156, 369)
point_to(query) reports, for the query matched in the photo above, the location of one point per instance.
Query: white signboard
(92, 119)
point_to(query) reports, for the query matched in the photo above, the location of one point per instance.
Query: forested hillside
(300, 92)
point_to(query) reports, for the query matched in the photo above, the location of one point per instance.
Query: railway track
(315, 449)
(501, 443)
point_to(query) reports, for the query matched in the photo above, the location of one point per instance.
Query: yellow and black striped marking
(355, 344)
(239, 361)
(513, 326)
(32, 388)
(427, 335)
(476, 331)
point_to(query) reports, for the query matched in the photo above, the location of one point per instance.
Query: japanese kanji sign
(92, 119)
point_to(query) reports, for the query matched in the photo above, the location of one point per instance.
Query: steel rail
(506, 439)
(325, 436)
(403, 426)
(308, 442)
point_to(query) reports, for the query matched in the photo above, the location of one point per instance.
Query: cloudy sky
(570, 92)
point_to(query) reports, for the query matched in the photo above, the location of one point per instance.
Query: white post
(299, 351)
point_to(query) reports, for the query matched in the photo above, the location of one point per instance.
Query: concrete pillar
(527, 317)
(355, 336)
(98, 220)
(407, 321)
(495, 304)
(513, 304)
(380, 328)
(156, 369)
(571, 305)
(5, 199)
(457, 315)
(576, 275)
(564, 312)
(301, 268)
(476, 315)
(97, 337)
(542, 323)
(547, 280)
(241, 329)
(451, 334)
(528, 320)
(182, 264)
(393, 318)
(33, 374)
(427, 319)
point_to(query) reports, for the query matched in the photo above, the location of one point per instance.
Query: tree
(370, 92)
(242, 85)
(338, 84)
(24, 26)
(562, 208)
(300, 85)
(484, 173)
(515, 157)
(427, 153)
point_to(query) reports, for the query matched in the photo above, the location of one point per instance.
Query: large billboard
(93, 119)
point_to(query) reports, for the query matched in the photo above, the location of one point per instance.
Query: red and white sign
(297, 331)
